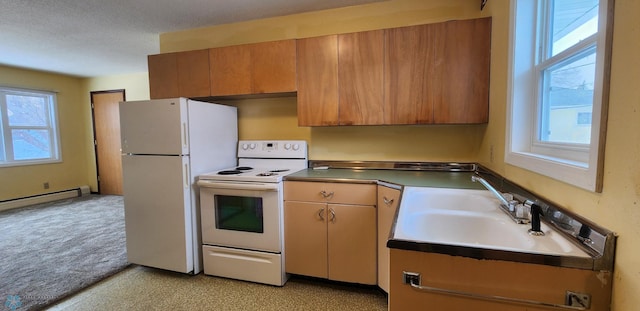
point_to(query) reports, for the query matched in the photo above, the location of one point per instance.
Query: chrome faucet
(507, 206)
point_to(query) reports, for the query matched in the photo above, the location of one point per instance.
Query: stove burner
(244, 168)
(267, 174)
(279, 170)
(230, 172)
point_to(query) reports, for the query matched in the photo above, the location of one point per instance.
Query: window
(28, 127)
(559, 76)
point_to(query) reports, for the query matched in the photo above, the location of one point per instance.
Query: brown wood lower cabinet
(543, 283)
(336, 241)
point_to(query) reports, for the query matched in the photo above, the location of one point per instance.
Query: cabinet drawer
(343, 193)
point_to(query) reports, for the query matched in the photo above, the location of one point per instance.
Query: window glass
(28, 127)
(571, 22)
(26, 110)
(567, 99)
(31, 144)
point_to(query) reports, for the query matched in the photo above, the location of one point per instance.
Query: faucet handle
(511, 203)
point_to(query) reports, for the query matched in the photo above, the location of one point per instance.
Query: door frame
(93, 126)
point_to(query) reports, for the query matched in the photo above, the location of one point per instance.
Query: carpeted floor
(49, 251)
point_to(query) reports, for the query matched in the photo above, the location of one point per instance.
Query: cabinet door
(465, 78)
(273, 67)
(230, 70)
(317, 63)
(388, 199)
(412, 65)
(163, 76)
(305, 238)
(193, 73)
(360, 78)
(352, 243)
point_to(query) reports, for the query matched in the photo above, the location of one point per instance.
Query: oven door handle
(238, 185)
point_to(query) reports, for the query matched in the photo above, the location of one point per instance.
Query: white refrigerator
(166, 144)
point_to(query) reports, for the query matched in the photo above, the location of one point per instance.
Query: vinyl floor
(142, 288)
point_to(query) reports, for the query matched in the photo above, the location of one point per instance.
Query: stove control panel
(278, 149)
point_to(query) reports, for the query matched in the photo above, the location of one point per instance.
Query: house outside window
(558, 88)
(28, 127)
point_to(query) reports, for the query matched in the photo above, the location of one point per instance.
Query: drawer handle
(333, 215)
(583, 301)
(326, 195)
(321, 214)
(387, 201)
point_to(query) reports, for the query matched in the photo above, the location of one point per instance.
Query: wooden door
(305, 238)
(360, 78)
(106, 124)
(352, 243)
(317, 63)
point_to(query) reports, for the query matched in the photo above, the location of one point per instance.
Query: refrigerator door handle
(186, 176)
(184, 135)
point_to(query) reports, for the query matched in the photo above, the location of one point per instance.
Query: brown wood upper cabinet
(318, 81)
(178, 74)
(259, 68)
(427, 74)
(340, 79)
(465, 80)
(438, 73)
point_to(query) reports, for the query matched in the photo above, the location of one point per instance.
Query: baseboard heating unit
(43, 198)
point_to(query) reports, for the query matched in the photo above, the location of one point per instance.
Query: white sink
(472, 218)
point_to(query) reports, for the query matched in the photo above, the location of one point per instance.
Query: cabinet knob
(321, 214)
(333, 215)
(387, 201)
(326, 195)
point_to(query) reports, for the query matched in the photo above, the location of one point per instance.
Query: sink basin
(471, 218)
(420, 198)
(457, 228)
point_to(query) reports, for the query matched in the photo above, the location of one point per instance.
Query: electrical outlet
(46, 185)
(411, 278)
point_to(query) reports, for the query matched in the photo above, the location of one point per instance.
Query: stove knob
(252, 146)
(245, 146)
(287, 146)
(296, 147)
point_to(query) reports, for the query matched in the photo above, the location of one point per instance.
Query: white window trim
(520, 143)
(55, 136)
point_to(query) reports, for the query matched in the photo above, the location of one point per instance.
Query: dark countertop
(397, 177)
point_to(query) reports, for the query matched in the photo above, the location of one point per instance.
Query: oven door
(242, 215)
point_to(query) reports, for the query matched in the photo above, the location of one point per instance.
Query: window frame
(52, 127)
(580, 165)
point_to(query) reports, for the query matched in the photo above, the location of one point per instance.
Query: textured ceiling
(89, 38)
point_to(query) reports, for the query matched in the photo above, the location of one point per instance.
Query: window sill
(572, 172)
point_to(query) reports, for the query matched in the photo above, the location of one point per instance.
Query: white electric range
(242, 211)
